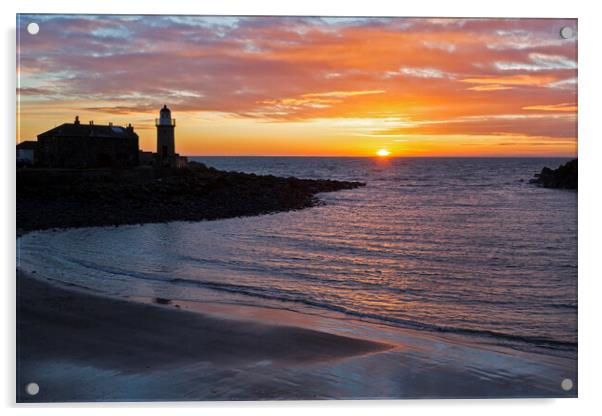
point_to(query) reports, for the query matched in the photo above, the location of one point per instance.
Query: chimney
(110, 123)
(91, 122)
(76, 122)
(130, 127)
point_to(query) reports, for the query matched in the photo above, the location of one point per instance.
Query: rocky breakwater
(50, 198)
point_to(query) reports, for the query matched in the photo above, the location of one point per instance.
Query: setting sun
(383, 153)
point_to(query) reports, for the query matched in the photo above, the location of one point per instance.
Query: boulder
(563, 177)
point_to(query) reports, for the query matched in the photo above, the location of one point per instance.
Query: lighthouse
(166, 147)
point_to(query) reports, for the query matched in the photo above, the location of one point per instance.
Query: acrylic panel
(283, 208)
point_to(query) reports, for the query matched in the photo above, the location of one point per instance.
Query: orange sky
(308, 86)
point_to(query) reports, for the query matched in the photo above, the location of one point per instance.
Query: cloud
(524, 38)
(417, 72)
(564, 107)
(539, 62)
(514, 80)
(444, 46)
(490, 87)
(290, 69)
(533, 125)
(315, 100)
(568, 84)
(342, 94)
(34, 91)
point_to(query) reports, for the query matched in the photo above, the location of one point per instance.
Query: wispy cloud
(514, 80)
(539, 62)
(564, 107)
(342, 94)
(418, 72)
(490, 87)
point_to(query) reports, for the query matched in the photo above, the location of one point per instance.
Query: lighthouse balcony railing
(165, 122)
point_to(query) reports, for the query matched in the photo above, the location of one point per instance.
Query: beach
(58, 325)
(82, 347)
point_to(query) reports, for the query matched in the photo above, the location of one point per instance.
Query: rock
(81, 198)
(564, 177)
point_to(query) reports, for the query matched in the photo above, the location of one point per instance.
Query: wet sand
(82, 347)
(56, 325)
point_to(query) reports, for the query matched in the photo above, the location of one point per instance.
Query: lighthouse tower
(166, 147)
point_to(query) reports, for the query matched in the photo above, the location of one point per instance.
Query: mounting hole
(32, 389)
(33, 28)
(567, 384)
(567, 32)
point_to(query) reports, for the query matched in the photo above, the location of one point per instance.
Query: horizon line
(401, 157)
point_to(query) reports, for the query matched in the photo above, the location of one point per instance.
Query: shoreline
(519, 344)
(55, 325)
(84, 347)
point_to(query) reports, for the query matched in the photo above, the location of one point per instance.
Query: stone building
(27, 153)
(76, 145)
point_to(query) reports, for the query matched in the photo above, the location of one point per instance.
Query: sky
(307, 86)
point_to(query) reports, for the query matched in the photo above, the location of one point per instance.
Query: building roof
(89, 130)
(27, 145)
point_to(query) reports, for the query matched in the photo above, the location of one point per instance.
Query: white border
(590, 139)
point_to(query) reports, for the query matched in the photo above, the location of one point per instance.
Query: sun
(383, 153)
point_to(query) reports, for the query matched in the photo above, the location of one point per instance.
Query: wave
(292, 296)
(270, 295)
(415, 294)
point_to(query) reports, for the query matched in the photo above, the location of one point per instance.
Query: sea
(459, 246)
